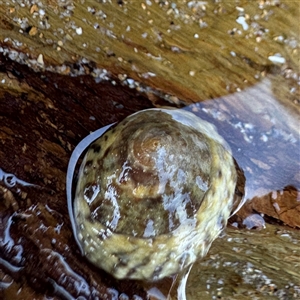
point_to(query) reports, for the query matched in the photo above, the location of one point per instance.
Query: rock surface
(68, 68)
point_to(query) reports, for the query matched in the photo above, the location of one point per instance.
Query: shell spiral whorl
(153, 193)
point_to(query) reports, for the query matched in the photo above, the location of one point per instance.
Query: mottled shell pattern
(153, 193)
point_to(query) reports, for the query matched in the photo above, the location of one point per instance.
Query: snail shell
(153, 193)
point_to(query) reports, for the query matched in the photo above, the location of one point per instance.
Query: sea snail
(153, 192)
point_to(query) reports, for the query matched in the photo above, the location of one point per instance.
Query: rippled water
(265, 143)
(225, 47)
(264, 139)
(263, 133)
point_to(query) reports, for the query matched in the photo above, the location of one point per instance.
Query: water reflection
(262, 130)
(10, 180)
(263, 133)
(249, 265)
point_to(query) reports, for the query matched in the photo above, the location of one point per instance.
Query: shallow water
(241, 263)
(195, 50)
(249, 265)
(262, 129)
(264, 138)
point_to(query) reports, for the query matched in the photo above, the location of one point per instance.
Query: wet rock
(66, 70)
